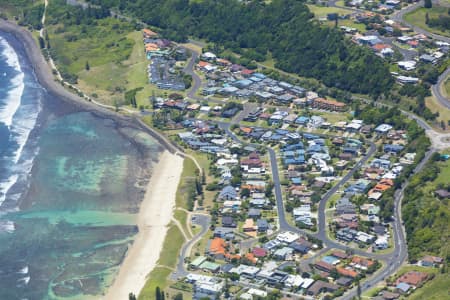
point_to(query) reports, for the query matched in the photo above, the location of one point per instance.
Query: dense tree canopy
(283, 27)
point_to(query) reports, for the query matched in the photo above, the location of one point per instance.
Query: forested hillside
(284, 27)
(425, 216)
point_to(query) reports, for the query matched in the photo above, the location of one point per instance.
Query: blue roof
(259, 75)
(393, 148)
(403, 286)
(314, 148)
(302, 120)
(276, 137)
(243, 82)
(282, 131)
(309, 136)
(319, 142)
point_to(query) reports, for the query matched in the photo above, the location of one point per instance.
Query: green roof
(210, 266)
(198, 261)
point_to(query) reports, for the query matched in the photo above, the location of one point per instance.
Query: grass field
(322, 11)
(447, 87)
(417, 18)
(444, 114)
(158, 278)
(116, 58)
(172, 245)
(186, 180)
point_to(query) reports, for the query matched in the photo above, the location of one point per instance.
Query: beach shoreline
(155, 214)
(47, 80)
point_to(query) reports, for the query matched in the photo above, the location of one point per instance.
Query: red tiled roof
(413, 278)
(259, 252)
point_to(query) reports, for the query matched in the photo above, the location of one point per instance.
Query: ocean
(71, 182)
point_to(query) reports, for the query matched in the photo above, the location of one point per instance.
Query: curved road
(399, 18)
(392, 260)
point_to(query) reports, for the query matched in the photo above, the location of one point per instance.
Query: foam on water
(20, 117)
(5, 186)
(24, 270)
(7, 226)
(17, 84)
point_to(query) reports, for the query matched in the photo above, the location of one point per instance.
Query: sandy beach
(157, 206)
(154, 215)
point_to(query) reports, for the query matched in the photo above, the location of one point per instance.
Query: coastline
(46, 79)
(154, 217)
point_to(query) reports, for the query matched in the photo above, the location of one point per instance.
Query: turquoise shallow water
(78, 218)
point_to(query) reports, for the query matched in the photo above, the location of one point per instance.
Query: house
(339, 254)
(216, 248)
(407, 65)
(195, 264)
(210, 266)
(386, 295)
(347, 272)
(442, 194)
(346, 234)
(344, 206)
(361, 263)
(228, 193)
(430, 261)
(249, 227)
(245, 271)
(427, 58)
(402, 287)
(254, 213)
(228, 221)
(382, 242)
(344, 281)
(224, 233)
(383, 128)
(393, 149)
(301, 247)
(414, 278)
(149, 34)
(287, 237)
(262, 225)
(381, 163)
(320, 287)
(323, 266)
(209, 56)
(259, 252)
(284, 253)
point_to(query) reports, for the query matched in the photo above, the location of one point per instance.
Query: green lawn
(447, 86)
(322, 11)
(186, 180)
(181, 216)
(350, 23)
(417, 18)
(172, 245)
(157, 278)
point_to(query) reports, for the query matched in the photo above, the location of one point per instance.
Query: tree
(428, 4)
(158, 293)
(131, 296)
(178, 296)
(87, 67)
(41, 43)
